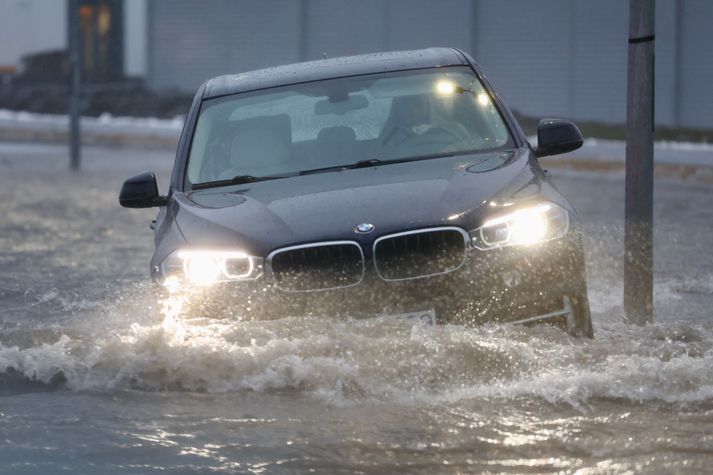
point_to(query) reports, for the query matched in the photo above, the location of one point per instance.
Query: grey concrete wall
(696, 63)
(190, 41)
(547, 57)
(524, 49)
(31, 26)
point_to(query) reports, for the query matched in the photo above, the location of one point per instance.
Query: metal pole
(74, 100)
(638, 228)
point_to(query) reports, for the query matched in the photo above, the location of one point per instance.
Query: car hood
(260, 217)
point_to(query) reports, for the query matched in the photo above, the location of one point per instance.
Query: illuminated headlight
(206, 267)
(531, 225)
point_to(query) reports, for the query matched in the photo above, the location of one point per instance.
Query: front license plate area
(424, 317)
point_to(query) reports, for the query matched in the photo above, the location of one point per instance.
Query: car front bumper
(517, 283)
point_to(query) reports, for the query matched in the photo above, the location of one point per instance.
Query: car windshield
(335, 123)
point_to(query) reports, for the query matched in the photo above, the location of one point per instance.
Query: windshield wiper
(350, 166)
(368, 163)
(236, 180)
(372, 162)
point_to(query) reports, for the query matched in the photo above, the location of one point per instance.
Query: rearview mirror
(141, 191)
(351, 103)
(555, 136)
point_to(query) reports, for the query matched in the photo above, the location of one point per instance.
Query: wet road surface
(93, 379)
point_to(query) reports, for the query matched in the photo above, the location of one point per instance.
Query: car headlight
(206, 267)
(530, 225)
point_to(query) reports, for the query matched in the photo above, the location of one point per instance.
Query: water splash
(345, 361)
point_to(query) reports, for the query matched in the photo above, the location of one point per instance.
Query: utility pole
(638, 227)
(74, 99)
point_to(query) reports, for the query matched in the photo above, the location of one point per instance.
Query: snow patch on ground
(659, 144)
(8, 117)
(665, 151)
(104, 123)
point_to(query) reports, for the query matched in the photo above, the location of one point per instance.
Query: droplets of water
(344, 361)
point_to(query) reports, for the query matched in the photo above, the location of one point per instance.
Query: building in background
(113, 34)
(547, 57)
(101, 31)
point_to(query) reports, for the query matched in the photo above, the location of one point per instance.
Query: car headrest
(409, 110)
(340, 133)
(261, 142)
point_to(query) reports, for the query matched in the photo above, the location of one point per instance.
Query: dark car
(386, 184)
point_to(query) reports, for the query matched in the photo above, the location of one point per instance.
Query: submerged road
(94, 380)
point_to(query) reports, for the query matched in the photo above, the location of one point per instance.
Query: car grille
(419, 253)
(317, 266)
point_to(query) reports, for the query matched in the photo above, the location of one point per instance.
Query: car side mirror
(555, 136)
(141, 191)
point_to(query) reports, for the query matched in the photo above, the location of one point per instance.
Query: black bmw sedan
(394, 184)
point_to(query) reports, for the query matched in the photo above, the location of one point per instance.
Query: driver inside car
(417, 124)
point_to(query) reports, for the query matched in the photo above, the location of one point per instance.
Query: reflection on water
(340, 394)
(96, 376)
(374, 394)
(344, 361)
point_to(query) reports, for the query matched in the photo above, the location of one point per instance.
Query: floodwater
(95, 379)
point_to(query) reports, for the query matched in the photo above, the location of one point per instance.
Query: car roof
(332, 68)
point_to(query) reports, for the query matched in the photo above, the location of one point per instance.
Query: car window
(342, 121)
(306, 124)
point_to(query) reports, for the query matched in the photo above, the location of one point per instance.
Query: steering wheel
(434, 139)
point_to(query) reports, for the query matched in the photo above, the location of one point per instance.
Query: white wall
(135, 46)
(30, 26)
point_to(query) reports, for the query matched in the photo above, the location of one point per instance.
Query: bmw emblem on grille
(364, 228)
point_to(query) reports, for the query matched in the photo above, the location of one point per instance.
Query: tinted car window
(341, 121)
